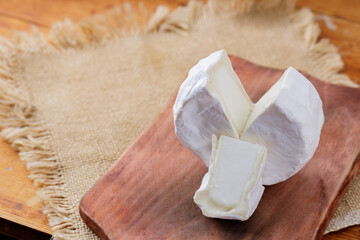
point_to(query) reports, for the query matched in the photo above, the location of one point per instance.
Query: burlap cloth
(71, 104)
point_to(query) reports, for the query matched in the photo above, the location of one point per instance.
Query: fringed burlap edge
(30, 137)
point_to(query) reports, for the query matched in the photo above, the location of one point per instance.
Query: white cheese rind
(210, 101)
(232, 188)
(288, 121)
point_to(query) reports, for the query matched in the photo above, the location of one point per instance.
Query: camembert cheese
(287, 120)
(232, 188)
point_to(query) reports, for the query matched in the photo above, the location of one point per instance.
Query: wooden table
(20, 211)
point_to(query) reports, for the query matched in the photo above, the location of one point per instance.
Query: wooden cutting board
(147, 193)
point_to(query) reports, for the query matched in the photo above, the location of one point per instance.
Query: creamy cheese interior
(268, 98)
(233, 173)
(225, 85)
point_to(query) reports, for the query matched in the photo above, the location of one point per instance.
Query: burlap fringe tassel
(30, 137)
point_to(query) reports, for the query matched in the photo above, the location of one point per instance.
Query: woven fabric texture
(74, 102)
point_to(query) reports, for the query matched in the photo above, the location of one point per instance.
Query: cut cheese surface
(232, 188)
(211, 100)
(269, 97)
(287, 120)
(225, 85)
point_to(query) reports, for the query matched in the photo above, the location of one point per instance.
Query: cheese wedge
(287, 120)
(232, 188)
(211, 100)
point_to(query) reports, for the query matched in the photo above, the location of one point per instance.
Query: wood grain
(147, 193)
(348, 9)
(18, 201)
(345, 35)
(22, 14)
(347, 40)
